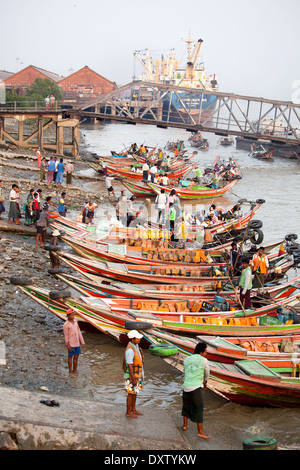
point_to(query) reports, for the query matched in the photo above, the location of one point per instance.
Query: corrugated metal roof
(4, 74)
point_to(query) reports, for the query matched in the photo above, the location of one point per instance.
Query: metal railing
(28, 105)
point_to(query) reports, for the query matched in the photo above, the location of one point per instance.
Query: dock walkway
(79, 424)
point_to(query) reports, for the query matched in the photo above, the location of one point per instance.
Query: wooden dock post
(36, 138)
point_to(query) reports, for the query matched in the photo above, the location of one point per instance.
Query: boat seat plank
(221, 343)
(256, 368)
(118, 266)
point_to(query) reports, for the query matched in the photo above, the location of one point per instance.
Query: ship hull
(183, 106)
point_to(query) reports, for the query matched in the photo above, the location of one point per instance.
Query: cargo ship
(193, 75)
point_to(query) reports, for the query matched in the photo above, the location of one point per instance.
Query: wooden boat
(226, 141)
(148, 274)
(84, 317)
(170, 259)
(105, 311)
(105, 288)
(263, 154)
(230, 349)
(271, 383)
(236, 222)
(203, 193)
(176, 173)
(257, 383)
(140, 274)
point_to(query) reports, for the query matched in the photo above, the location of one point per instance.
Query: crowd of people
(53, 170)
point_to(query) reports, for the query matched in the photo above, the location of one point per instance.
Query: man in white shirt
(153, 171)
(145, 171)
(165, 180)
(108, 184)
(160, 202)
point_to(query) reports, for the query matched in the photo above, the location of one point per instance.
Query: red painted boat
(106, 288)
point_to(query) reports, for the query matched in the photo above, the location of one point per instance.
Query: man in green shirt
(198, 175)
(196, 374)
(245, 284)
(171, 217)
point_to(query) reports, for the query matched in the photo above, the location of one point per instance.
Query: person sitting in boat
(133, 169)
(213, 217)
(164, 180)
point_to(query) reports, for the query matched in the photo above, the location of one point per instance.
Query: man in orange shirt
(260, 265)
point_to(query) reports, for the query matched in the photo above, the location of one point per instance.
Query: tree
(43, 87)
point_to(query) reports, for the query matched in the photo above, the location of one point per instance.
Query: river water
(278, 183)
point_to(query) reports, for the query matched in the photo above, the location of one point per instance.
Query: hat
(69, 311)
(134, 334)
(56, 233)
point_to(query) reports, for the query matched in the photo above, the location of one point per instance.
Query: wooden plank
(256, 368)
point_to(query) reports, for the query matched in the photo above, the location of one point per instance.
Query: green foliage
(44, 87)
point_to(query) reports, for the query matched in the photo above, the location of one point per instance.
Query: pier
(40, 129)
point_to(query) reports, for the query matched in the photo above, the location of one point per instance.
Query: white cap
(134, 334)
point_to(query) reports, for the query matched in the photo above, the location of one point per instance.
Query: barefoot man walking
(196, 374)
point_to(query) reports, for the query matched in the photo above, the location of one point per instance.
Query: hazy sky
(252, 46)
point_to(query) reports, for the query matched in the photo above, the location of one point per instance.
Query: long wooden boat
(230, 349)
(105, 288)
(266, 382)
(59, 309)
(149, 274)
(237, 222)
(231, 326)
(189, 194)
(190, 310)
(176, 173)
(189, 259)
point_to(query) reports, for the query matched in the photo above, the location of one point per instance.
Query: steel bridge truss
(199, 110)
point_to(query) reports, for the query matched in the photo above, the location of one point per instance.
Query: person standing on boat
(153, 171)
(245, 283)
(145, 169)
(260, 265)
(215, 179)
(196, 374)
(236, 254)
(160, 204)
(133, 366)
(73, 340)
(170, 220)
(199, 175)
